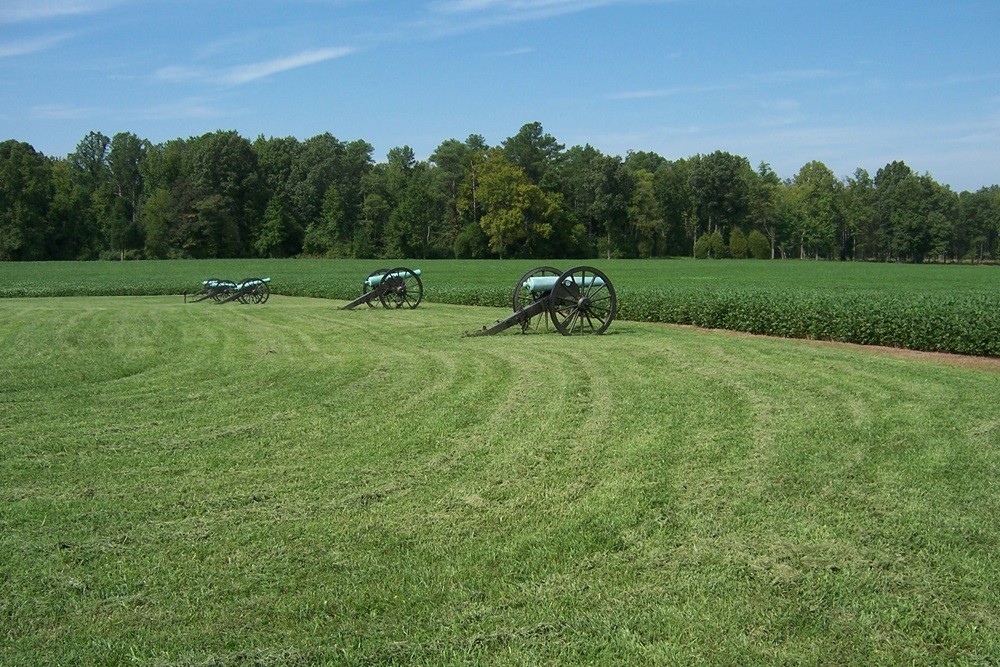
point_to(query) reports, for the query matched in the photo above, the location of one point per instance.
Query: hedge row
(968, 324)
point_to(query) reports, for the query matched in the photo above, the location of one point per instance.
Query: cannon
(248, 290)
(213, 288)
(579, 301)
(393, 288)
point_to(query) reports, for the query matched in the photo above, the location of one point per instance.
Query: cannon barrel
(543, 284)
(375, 281)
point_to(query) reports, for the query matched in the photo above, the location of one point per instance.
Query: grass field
(341, 278)
(932, 308)
(291, 484)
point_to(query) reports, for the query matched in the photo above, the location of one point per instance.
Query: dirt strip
(944, 358)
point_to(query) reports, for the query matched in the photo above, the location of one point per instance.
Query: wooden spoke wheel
(259, 293)
(523, 297)
(365, 288)
(220, 289)
(582, 301)
(401, 288)
(254, 290)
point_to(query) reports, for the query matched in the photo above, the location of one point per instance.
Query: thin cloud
(190, 108)
(181, 74)
(459, 16)
(787, 76)
(62, 112)
(14, 11)
(27, 47)
(246, 73)
(765, 79)
(255, 71)
(518, 7)
(675, 91)
(523, 51)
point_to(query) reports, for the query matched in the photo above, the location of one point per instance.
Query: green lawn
(292, 484)
(937, 308)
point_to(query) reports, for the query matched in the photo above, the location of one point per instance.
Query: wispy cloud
(190, 108)
(445, 17)
(514, 8)
(26, 47)
(62, 112)
(13, 11)
(523, 51)
(956, 80)
(242, 74)
(795, 75)
(248, 73)
(675, 91)
(765, 79)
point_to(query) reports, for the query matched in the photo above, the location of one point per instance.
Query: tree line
(222, 195)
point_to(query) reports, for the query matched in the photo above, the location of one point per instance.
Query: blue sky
(852, 84)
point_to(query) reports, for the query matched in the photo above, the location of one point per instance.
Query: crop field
(293, 484)
(932, 308)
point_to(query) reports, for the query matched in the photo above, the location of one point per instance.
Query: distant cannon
(393, 288)
(213, 288)
(579, 301)
(248, 290)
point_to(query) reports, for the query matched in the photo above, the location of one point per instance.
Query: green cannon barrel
(375, 281)
(542, 284)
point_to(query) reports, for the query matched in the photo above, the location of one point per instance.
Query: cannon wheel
(364, 286)
(402, 289)
(578, 306)
(222, 289)
(261, 292)
(522, 298)
(257, 294)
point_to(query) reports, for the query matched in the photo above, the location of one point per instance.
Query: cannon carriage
(248, 290)
(393, 288)
(579, 301)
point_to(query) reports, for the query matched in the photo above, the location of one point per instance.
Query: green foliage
(758, 245)
(471, 243)
(25, 190)
(703, 247)
(739, 247)
(218, 195)
(717, 246)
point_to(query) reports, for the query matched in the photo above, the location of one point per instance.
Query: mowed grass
(291, 484)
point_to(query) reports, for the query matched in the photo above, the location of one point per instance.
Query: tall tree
(533, 151)
(645, 216)
(25, 193)
(73, 233)
(815, 192)
(126, 155)
(888, 200)
(223, 168)
(765, 211)
(979, 225)
(597, 191)
(453, 159)
(859, 213)
(89, 177)
(518, 215)
(719, 186)
(676, 201)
